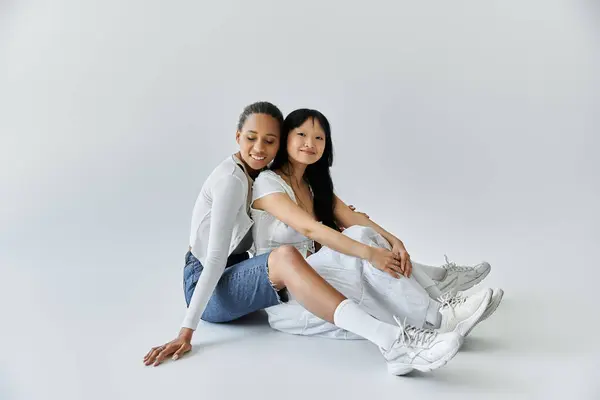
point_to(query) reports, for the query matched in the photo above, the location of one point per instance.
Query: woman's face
(306, 143)
(258, 140)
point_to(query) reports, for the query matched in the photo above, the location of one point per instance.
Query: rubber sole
(494, 303)
(403, 369)
(464, 327)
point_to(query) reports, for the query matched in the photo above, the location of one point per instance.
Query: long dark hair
(317, 175)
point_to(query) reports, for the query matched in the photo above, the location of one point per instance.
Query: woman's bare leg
(288, 269)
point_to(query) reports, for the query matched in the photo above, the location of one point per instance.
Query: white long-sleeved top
(220, 221)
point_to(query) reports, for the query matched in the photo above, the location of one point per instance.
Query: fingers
(148, 354)
(397, 271)
(388, 262)
(158, 354)
(394, 266)
(181, 351)
(393, 273)
(399, 262)
(404, 259)
(361, 213)
(396, 259)
(163, 354)
(151, 356)
(149, 359)
(407, 265)
(408, 269)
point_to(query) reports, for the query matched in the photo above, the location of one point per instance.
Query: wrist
(186, 334)
(397, 242)
(368, 253)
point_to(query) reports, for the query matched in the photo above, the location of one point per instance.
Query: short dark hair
(260, 107)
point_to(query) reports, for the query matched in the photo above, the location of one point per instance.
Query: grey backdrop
(467, 128)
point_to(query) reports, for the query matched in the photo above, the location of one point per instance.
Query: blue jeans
(243, 288)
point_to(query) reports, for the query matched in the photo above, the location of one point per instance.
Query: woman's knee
(284, 256)
(282, 261)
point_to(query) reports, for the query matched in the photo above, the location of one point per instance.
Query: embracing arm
(346, 217)
(284, 209)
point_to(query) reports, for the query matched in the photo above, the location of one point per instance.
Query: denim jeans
(243, 288)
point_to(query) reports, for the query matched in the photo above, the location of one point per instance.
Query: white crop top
(268, 232)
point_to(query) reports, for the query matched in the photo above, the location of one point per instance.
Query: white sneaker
(461, 313)
(494, 303)
(420, 349)
(462, 277)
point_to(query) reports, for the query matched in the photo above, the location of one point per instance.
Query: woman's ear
(237, 136)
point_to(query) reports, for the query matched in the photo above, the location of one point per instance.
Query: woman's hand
(178, 347)
(399, 250)
(386, 261)
(354, 209)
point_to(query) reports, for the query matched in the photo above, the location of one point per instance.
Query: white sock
(435, 273)
(349, 316)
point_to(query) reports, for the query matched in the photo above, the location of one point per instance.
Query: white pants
(378, 293)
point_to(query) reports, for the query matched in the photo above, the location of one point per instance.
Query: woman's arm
(284, 209)
(226, 198)
(348, 218)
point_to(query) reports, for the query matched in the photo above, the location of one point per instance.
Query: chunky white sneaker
(494, 303)
(461, 313)
(462, 277)
(420, 349)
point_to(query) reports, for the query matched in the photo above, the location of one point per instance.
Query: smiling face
(306, 143)
(258, 141)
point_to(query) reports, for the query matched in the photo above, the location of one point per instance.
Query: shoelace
(447, 300)
(451, 266)
(414, 337)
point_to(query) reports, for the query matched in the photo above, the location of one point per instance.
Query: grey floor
(77, 328)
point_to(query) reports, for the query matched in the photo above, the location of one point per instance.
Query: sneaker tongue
(420, 336)
(458, 300)
(453, 301)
